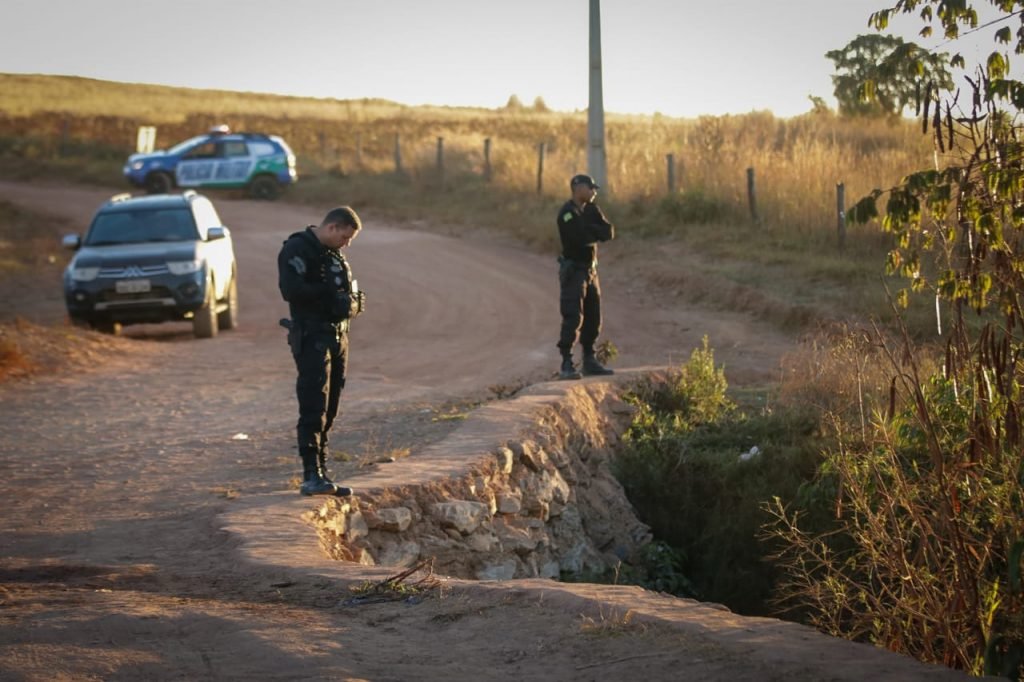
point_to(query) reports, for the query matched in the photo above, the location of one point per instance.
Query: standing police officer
(322, 296)
(581, 224)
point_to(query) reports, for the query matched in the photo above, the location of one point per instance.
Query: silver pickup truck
(153, 258)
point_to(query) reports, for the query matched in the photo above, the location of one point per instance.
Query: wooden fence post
(752, 196)
(841, 216)
(670, 163)
(398, 152)
(62, 150)
(487, 159)
(541, 148)
(440, 159)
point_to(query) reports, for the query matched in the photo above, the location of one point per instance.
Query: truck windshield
(152, 225)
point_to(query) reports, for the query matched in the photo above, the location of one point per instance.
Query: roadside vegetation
(899, 519)
(860, 496)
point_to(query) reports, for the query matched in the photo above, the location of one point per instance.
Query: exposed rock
(539, 491)
(391, 519)
(558, 457)
(568, 473)
(336, 524)
(373, 522)
(482, 541)
(435, 544)
(515, 539)
(357, 527)
(453, 533)
(356, 555)
(463, 515)
(532, 457)
(509, 503)
(505, 459)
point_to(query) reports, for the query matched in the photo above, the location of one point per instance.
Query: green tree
(514, 103)
(818, 105)
(881, 75)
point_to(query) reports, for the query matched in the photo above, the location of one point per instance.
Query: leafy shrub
(692, 394)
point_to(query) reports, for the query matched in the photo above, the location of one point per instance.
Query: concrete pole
(541, 148)
(596, 158)
(841, 216)
(487, 159)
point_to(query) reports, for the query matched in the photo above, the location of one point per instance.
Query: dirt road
(112, 561)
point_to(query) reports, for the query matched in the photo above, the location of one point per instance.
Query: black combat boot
(340, 490)
(313, 482)
(593, 368)
(568, 370)
(321, 460)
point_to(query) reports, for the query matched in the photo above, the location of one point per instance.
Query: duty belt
(308, 325)
(585, 265)
(339, 327)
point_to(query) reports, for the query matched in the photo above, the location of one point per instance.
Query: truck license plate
(132, 286)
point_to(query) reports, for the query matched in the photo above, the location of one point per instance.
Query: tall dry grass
(347, 149)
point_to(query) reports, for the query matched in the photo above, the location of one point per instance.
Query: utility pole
(596, 158)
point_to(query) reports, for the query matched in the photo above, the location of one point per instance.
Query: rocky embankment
(541, 503)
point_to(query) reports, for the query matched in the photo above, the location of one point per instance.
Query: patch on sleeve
(298, 265)
(567, 217)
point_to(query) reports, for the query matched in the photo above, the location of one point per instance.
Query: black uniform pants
(321, 362)
(580, 304)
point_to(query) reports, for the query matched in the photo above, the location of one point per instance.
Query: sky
(677, 57)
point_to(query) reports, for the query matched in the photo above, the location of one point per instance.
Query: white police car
(262, 164)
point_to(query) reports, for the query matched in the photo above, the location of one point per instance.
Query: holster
(565, 268)
(294, 328)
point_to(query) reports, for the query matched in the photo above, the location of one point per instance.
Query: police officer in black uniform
(323, 298)
(581, 225)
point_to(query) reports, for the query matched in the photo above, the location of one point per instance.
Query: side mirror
(72, 242)
(216, 233)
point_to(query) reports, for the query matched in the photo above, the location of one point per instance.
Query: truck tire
(204, 320)
(264, 187)
(228, 317)
(159, 182)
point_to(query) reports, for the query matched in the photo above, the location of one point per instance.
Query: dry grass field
(81, 130)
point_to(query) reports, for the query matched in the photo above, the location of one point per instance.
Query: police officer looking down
(581, 225)
(323, 298)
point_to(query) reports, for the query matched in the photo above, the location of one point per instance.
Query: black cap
(583, 180)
